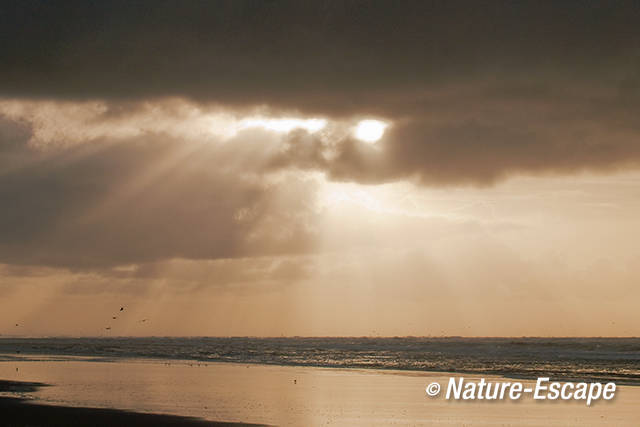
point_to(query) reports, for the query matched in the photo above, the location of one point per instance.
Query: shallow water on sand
(288, 395)
(594, 359)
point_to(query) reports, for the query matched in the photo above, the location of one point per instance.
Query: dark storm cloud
(482, 152)
(326, 57)
(473, 152)
(142, 199)
(478, 90)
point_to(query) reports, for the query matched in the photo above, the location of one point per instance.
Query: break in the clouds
(475, 91)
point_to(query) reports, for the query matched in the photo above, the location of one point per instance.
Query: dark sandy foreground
(20, 412)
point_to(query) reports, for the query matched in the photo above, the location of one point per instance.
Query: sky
(320, 168)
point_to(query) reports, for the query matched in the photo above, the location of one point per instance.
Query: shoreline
(631, 380)
(562, 359)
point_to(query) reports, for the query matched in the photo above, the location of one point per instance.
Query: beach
(275, 395)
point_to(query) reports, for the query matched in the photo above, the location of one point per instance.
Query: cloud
(477, 149)
(476, 91)
(323, 57)
(109, 154)
(146, 198)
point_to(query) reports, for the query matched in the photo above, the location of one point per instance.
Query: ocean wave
(584, 359)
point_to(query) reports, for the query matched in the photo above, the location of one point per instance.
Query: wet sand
(281, 395)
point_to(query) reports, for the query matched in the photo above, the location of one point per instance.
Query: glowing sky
(281, 169)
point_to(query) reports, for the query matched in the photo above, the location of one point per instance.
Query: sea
(563, 359)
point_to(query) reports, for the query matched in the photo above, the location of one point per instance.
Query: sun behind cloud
(370, 130)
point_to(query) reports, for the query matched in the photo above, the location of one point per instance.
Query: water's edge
(567, 359)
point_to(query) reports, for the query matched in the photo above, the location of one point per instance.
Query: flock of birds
(108, 328)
